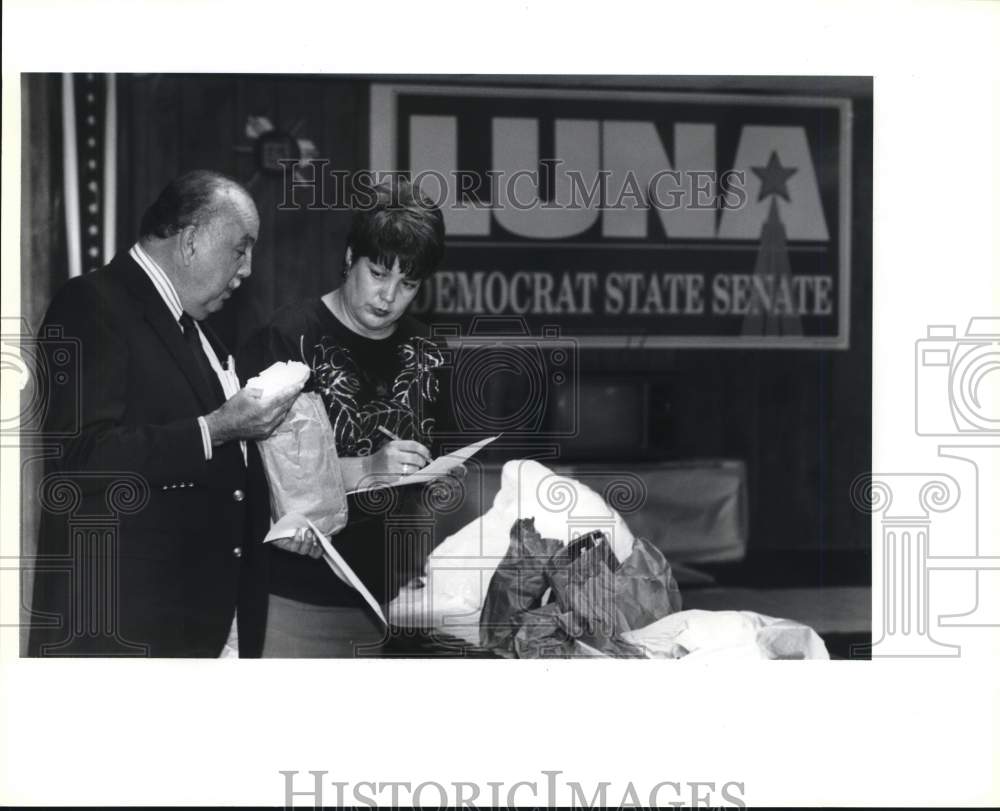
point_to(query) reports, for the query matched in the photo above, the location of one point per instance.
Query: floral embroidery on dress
(358, 405)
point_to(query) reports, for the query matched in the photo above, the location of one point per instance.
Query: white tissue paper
(460, 568)
(279, 377)
(727, 636)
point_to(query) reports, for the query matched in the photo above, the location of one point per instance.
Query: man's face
(222, 252)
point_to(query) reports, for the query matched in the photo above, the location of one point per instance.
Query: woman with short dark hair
(380, 377)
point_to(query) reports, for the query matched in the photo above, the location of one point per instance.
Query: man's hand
(303, 543)
(246, 416)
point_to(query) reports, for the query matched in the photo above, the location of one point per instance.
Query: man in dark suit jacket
(153, 426)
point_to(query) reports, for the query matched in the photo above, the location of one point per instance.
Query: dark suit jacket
(145, 547)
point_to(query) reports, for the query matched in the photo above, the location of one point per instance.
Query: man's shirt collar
(160, 280)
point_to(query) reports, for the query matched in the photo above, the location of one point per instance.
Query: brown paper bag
(300, 459)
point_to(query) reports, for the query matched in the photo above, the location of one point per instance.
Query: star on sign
(773, 178)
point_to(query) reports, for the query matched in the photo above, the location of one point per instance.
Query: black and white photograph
(517, 366)
(529, 407)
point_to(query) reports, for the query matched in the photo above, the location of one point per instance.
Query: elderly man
(154, 424)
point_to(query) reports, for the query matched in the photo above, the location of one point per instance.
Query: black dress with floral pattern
(361, 394)
(396, 383)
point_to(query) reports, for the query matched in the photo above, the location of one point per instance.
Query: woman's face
(375, 297)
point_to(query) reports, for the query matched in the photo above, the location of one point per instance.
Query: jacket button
(237, 551)
(238, 495)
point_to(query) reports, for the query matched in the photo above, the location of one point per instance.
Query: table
(841, 615)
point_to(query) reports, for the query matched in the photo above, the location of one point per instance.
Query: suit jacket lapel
(161, 320)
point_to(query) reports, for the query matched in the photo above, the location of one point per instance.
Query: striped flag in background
(89, 173)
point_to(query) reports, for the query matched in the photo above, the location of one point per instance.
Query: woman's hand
(398, 458)
(304, 542)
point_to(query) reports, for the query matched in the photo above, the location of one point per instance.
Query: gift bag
(300, 460)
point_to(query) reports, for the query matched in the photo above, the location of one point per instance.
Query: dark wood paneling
(43, 268)
(299, 109)
(175, 123)
(255, 300)
(44, 262)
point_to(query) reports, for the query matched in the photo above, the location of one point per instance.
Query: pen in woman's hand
(387, 432)
(413, 450)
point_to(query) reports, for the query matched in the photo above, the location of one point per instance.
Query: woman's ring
(406, 468)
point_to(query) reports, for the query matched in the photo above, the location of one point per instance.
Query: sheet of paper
(435, 469)
(286, 527)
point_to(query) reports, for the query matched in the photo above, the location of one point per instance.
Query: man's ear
(348, 259)
(186, 244)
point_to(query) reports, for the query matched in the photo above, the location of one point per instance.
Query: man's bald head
(194, 198)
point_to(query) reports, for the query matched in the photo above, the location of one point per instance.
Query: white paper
(286, 528)
(435, 469)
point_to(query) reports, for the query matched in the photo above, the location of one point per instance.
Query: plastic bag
(593, 602)
(727, 636)
(302, 467)
(459, 569)
(517, 585)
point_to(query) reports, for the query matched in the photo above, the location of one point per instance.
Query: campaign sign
(631, 218)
